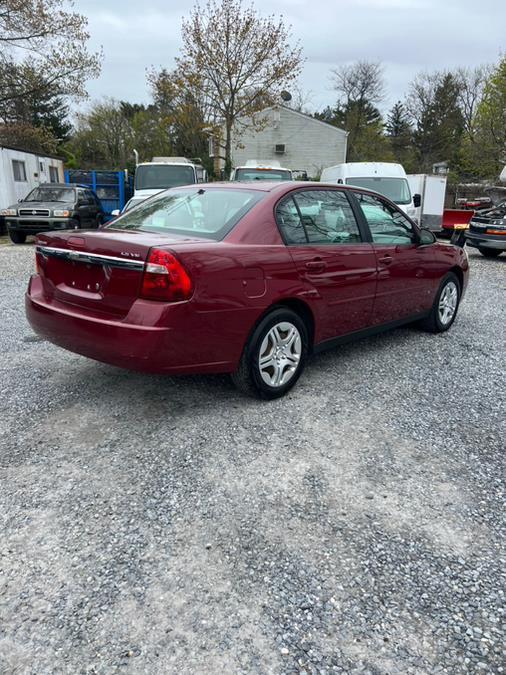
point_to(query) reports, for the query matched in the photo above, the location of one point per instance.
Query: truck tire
(490, 252)
(17, 237)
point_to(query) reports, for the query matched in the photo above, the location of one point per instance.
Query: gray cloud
(405, 35)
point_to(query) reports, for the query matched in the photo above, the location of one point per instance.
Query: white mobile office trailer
(21, 171)
(432, 190)
(387, 178)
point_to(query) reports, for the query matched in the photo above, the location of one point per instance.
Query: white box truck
(255, 169)
(387, 178)
(166, 172)
(432, 190)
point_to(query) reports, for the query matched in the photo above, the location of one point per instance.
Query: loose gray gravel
(163, 525)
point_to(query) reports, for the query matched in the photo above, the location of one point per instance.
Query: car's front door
(331, 256)
(406, 283)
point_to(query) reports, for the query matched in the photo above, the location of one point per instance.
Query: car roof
(57, 185)
(280, 187)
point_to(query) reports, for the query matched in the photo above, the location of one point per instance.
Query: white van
(387, 178)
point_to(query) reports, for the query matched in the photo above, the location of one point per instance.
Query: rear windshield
(163, 176)
(262, 174)
(395, 189)
(56, 194)
(209, 213)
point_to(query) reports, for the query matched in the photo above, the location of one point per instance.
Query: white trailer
(432, 189)
(22, 170)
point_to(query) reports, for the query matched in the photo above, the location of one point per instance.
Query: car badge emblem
(34, 212)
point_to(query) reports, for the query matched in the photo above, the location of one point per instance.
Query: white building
(297, 141)
(22, 170)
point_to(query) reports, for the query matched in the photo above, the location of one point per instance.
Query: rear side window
(318, 217)
(209, 212)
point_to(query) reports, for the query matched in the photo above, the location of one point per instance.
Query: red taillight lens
(165, 278)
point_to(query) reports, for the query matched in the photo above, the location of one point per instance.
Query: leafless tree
(238, 60)
(359, 82)
(472, 83)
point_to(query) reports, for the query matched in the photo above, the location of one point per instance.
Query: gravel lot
(162, 525)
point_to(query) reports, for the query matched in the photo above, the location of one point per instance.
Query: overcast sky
(407, 36)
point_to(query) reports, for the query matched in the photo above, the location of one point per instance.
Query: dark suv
(53, 206)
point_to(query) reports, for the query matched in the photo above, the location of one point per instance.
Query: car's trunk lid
(100, 271)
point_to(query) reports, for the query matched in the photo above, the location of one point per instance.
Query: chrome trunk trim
(89, 258)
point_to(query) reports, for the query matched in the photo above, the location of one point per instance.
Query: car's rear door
(406, 279)
(332, 258)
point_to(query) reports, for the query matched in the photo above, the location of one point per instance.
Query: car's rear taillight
(165, 278)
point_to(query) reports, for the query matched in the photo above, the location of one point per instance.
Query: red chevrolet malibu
(247, 279)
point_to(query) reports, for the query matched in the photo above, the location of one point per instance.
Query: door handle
(386, 260)
(316, 265)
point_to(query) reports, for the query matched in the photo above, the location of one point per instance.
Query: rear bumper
(144, 347)
(477, 240)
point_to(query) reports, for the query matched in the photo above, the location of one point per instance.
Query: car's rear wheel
(274, 356)
(17, 237)
(445, 306)
(490, 252)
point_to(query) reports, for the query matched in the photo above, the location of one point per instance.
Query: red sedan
(247, 279)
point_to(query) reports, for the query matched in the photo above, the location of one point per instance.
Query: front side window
(19, 171)
(388, 225)
(91, 197)
(209, 213)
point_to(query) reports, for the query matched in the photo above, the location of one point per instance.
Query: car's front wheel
(490, 252)
(274, 356)
(445, 306)
(17, 237)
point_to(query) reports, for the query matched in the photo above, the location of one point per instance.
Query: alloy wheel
(280, 354)
(448, 303)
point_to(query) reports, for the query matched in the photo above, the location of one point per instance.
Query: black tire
(99, 220)
(490, 252)
(17, 237)
(433, 323)
(74, 224)
(248, 378)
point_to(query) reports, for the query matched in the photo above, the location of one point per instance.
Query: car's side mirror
(417, 200)
(426, 237)
(115, 213)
